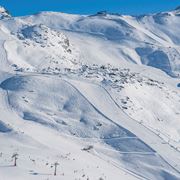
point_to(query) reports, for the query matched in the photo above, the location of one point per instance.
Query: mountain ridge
(90, 89)
(136, 34)
(4, 13)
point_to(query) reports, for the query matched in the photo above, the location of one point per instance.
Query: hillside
(98, 93)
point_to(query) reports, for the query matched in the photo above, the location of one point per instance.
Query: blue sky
(24, 7)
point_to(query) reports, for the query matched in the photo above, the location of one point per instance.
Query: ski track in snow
(54, 106)
(157, 142)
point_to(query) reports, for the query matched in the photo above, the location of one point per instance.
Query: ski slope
(99, 94)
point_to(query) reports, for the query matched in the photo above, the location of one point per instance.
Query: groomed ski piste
(98, 94)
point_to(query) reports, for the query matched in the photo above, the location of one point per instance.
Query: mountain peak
(4, 13)
(177, 8)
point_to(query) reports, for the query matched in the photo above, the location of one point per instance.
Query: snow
(98, 94)
(4, 13)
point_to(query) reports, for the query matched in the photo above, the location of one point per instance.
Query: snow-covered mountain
(4, 13)
(98, 93)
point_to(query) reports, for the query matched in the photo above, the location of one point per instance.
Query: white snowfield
(98, 94)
